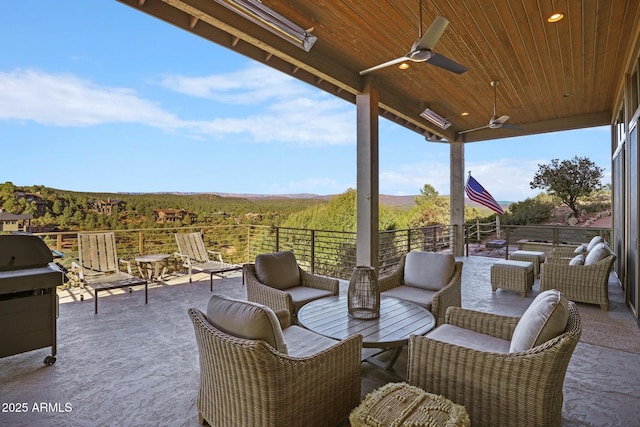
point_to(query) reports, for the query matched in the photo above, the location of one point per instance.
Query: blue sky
(96, 96)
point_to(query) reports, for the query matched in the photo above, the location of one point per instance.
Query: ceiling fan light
(435, 118)
(403, 66)
(555, 17)
(271, 21)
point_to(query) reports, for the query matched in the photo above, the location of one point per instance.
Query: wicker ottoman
(401, 404)
(512, 276)
(534, 257)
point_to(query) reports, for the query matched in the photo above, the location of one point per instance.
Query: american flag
(477, 193)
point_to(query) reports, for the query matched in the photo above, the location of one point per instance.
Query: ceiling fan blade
(472, 130)
(432, 35)
(386, 64)
(501, 119)
(446, 63)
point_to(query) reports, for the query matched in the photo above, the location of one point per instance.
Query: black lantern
(364, 294)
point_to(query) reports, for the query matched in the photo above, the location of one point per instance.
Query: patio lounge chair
(429, 279)
(195, 257)
(277, 281)
(506, 371)
(98, 266)
(581, 279)
(258, 370)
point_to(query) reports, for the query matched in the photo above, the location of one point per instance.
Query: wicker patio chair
(277, 281)
(429, 279)
(497, 389)
(289, 377)
(588, 283)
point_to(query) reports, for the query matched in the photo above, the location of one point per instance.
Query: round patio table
(398, 320)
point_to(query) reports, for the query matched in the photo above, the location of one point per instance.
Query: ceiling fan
(421, 51)
(495, 122)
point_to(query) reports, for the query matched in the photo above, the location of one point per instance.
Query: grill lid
(21, 251)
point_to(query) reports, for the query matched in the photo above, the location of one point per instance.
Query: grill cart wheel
(49, 360)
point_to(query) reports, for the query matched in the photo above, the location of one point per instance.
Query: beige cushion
(428, 270)
(300, 295)
(245, 319)
(470, 339)
(546, 318)
(592, 244)
(577, 260)
(302, 342)
(422, 297)
(278, 270)
(598, 253)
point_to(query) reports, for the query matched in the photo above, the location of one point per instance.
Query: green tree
(431, 208)
(569, 180)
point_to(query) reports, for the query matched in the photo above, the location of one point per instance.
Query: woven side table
(512, 276)
(534, 257)
(403, 405)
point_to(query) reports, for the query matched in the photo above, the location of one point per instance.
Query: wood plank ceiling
(553, 76)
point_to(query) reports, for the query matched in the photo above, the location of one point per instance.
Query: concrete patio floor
(137, 365)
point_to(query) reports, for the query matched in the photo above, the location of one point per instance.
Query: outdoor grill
(28, 299)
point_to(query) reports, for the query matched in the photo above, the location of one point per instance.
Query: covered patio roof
(553, 76)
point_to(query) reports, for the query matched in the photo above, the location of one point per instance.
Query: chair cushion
(278, 270)
(300, 295)
(245, 319)
(422, 297)
(592, 244)
(428, 270)
(577, 260)
(580, 249)
(302, 342)
(546, 318)
(470, 339)
(598, 253)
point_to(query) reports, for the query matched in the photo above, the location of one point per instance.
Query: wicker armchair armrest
(558, 260)
(319, 282)
(485, 323)
(393, 279)
(563, 252)
(258, 292)
(449, 296)
(284, 318)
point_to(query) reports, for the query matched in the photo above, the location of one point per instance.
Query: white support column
(367, 179)
(456, 198)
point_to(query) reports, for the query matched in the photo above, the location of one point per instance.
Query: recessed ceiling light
(403, 66)
(464, 114)
(555, 17)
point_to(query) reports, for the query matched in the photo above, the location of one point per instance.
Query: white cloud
(67, 100)
(250, 86)
(290, 113)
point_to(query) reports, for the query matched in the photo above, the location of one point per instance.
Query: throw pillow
(577, 260)
(580, 249)
(278, 270)
(546, 318)
(246, 319)
(592, 244)
(598, 253)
